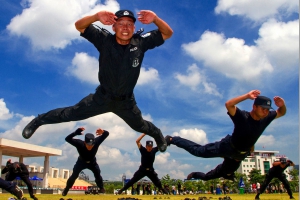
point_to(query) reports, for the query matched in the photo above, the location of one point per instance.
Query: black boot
(160, 141)
(29, 130)
(257, 196)
(65, 192)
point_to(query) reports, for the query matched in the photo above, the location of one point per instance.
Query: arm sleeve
(95, 35)
(70, 139)
(151, 40)
(102, 137)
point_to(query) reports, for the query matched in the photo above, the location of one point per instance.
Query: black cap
(149, 143)
(282, 160)
(263, 101)
(89, 139)
(125, 13)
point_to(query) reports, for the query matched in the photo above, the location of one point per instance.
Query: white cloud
(265, 140)
(149, 76)
(4, 111)
(50, 23)
(280, 42)
(258, 10)
(85, 68)
(231, 57)
(195, 135)
(194, 78)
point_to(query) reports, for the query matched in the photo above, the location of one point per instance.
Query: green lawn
(158, 197)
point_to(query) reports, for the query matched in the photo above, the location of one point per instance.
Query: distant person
(248, 127)
(120, 61)
(277, 171)
(18, 169)
(87, 150)
(12, 188)
(146, 167)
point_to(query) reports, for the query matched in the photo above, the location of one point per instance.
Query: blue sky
(219, 50)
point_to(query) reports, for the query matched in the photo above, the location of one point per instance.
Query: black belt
(114, 97)
(241, 152)
(86, 161)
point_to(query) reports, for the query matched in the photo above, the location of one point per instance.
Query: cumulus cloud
(4, 111)
(195, 135)
(257, 10)
(265, 140)
(54, 20)
(85, 68)
(194, 78)
(280, 42)
(149, 76)
(231, 57)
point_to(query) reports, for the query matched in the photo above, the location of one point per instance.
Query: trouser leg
(206, 151)
(29, 184)
(154, 178)
(286, 184)
(265, 184)
(136, 177)
(6, 185)
(84, 109)
(132, 115)
(97, 174)
(78, 167)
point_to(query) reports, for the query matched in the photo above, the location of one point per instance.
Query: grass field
(156, 197)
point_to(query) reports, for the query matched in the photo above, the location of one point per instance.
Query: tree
(294, 173)
(255, 176)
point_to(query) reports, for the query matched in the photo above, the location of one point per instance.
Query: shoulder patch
(146, 35)
(102, 29)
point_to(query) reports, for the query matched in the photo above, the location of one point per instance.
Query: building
(260, 160)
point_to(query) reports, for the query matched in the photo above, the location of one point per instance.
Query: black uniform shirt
(11, 168)
(277, 170)
(118, 69)
(147, 158)
(247, 130)
(84, 153)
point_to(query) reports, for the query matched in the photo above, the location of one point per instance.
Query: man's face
(260, 112)
(89, 147)
(149, 148)
(124, 29)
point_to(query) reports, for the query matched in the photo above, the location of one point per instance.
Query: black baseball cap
(263, 101)
(125, 13)
(149, 143)
(89, 139)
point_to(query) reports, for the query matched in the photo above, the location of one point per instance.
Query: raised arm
(148, 16)
(69, 138)
(279, 102)
(230, 104)
(105, 17)
(138, 140)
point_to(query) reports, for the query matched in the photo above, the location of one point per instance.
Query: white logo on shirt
(146, 35)
(133, 49)
(135, 62)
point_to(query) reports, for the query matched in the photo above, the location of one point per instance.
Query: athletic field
(283, 196)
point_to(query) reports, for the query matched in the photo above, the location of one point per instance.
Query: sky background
(219, 50)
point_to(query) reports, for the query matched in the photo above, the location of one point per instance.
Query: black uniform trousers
(228, 167)
(281, 177)
(24, 177)
(223, 148)
(81, 165)
(99, 103)
(7, 185)
(140, 173)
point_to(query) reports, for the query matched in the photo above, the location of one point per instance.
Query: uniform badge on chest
(135, 62)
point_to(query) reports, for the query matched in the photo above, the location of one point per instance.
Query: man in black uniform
(12, 188)
(120, 60)
(248, 127)
(277, 171)
(18, 169)
(146, 168)
(87, 150)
